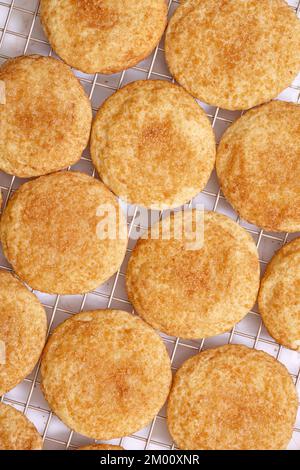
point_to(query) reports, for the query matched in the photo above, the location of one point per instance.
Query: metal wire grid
(26, 35)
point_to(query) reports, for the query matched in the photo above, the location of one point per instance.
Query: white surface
(21, 32)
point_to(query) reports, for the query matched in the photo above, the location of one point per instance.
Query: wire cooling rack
(21, 33)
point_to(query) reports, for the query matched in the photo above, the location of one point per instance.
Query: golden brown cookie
(16, 431)
(23, 326)
(51, 233)
(46, 120)
(234, 54)
(106, 373)
(101, 447)
(195, 293)
(232, 398)
(153, 145)
(258, 166)
(101, 35)
(279, 296)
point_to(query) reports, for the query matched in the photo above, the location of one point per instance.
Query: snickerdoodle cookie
(23, 325)
(279, 296)
(106, 373)
(16, 431)
(46, 119)
(64, 233)
(258, 166)
(234, 54)
(232, 398)
(101, 35)
(194, 291)
(153, 145)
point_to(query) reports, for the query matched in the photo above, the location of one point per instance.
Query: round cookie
(23, 326)
(194, 293)
(279, 299)
(101, 447)
(53, 232)
(258, 166)
(46, 119)
(103, 36)
(106, 374)
(16, 431)
(153, 145)
(234, 54)
(232, 398)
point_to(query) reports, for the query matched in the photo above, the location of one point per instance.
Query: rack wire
(21, 33)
